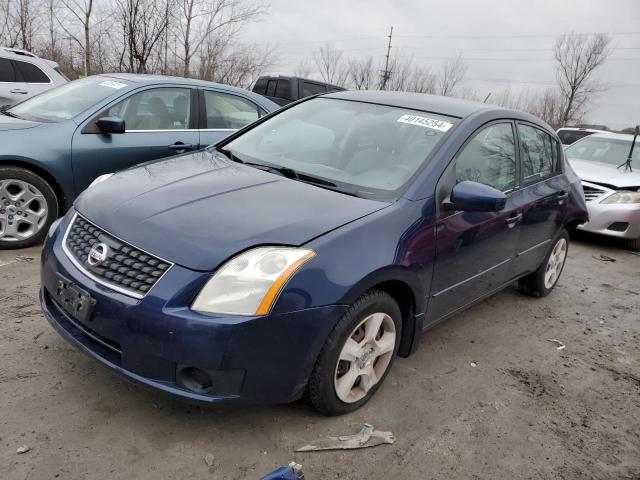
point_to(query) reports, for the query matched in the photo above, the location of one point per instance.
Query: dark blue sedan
(306, 251)
(54, 145)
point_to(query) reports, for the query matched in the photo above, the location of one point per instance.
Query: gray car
(611, 186)
(23, 75)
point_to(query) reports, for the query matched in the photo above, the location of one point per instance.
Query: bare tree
(303, 69)
(453, 72)
(362, 74)
(143, 23)
(577, 57)
(199, 20)
(239, 66)
(79, 12)
(328, 60)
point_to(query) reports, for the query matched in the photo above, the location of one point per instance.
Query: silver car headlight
(623, 196)
(249, 283)
(101, 178)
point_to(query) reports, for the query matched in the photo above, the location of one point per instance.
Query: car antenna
(627, 164)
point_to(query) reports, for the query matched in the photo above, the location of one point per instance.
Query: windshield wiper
(10, 114)
(284, 171)
(627, 164)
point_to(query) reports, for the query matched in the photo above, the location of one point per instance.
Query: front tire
(28, 206)
(632, 244)
(357, 356)
(541, 282)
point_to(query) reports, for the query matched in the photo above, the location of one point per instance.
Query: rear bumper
(151, 340)
(615, 220)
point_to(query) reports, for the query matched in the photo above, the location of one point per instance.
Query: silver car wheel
(23, 210)
(365, 357)
(555, 263)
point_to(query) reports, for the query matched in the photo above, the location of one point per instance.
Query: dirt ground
(525, 410)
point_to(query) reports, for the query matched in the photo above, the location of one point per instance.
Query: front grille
(125, 268)
(592, 193)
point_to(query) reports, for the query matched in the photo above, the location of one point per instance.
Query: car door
(12, 90)
(33, 77)
(544, 195)
(159, 122)
(474, 249)
(223, 113)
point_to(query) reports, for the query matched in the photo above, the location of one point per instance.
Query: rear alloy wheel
(357, 355)
(27, 207)
(541, 282)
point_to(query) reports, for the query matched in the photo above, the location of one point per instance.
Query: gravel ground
(487, 396)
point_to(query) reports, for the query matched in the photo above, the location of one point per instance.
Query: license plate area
(75, 301)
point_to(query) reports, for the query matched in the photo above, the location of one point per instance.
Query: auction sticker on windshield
(112, 84)
(426, 122)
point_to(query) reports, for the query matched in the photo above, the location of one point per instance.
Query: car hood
(11, 123)
(605, 174)
(198, 210)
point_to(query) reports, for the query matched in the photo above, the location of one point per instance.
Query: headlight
(101, 178)
(249, 283)
(623, 196)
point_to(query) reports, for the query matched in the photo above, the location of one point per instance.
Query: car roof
(581, 129)
(293, 77)
(18, 52)
(613, 136)
(421, 101)
(155, 79)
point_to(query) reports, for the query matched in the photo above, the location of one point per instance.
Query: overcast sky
(505, 43)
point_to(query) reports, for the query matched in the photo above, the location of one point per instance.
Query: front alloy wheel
(27, 207)
(357, 355)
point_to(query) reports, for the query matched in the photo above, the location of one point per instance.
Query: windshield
(605, 150)
(68, 100)
(364, 149)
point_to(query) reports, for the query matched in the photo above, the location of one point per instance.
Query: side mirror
(109, 125)
(475, 197)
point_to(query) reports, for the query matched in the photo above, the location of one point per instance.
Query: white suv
(23, 75)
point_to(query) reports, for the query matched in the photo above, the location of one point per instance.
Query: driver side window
(155, 109)
(489, 158)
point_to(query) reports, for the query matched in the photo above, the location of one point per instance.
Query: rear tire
(357, 356)
(541, 282)
(632, 244)
(28, 207)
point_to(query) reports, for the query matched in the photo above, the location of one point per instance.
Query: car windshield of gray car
(605, 150)
(67, 101)
(366, 149)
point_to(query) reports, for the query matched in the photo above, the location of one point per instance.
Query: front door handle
(180, 146)
(19, 91)
(513, 220)
(562, 196)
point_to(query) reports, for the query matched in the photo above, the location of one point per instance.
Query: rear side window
(7, 73)
(260, 86)
(536, 153)
(30, 73)
(567, 137)
(283, 89)
(309, 88)
(489, 158)
(226, 111)
(271, 88)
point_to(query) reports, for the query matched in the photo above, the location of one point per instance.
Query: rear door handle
(513, 220)
(180, 146)
(19, 91)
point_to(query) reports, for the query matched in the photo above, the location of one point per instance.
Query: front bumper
(151, 340)
(615, 220)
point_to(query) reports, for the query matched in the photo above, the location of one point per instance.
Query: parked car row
(55, 144)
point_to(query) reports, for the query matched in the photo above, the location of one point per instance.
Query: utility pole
(386, 74)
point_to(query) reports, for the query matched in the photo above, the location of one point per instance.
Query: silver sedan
(611, 184)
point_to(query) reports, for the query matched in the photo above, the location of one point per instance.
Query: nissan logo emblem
(97, 254)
